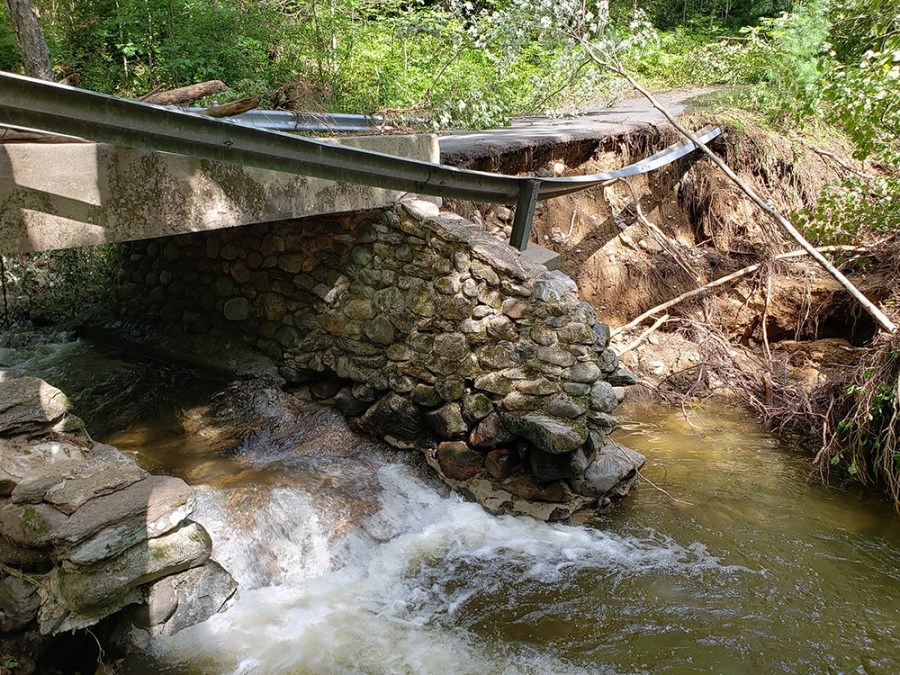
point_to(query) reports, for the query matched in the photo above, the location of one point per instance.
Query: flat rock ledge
(86, 533)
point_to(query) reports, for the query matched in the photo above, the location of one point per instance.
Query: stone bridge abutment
(429, 333)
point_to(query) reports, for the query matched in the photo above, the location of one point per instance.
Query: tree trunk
(30, 37)
(185, 95)
(603, 15)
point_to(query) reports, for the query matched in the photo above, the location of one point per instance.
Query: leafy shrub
(787, 57)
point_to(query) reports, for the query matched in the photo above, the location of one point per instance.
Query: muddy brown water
(354, 560)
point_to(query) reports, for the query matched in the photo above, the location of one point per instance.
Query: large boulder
(395, 416)
(20, 458)
(447, 421)
(547, 433)
(108, 525)
(458, 461)
(185, 599)
(530, 488)
(19, 603)
(490, 433)
(29, 404)
(32, 525)
(83, 528)
(603, 397)
(100, 588)
(502, 463)
(615, 464)
(548, 466)
(70, 485)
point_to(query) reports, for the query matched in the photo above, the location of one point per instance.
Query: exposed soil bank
(787, 338)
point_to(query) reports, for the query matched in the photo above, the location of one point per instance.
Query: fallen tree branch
(232, 108)
(185, 95)
(150, 93)
(721, 281)
(765, 317)
(643, 336)
(655, 486)
(765, 207)
(840, 162)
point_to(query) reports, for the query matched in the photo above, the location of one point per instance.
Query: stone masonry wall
(435, 336)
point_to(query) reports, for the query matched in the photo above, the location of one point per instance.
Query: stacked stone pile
(439, 336)
(85, 532)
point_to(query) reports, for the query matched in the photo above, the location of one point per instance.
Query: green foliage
(55, 286)
(862, 97)
(686, 57)
(476, 63)
(731, 13)
(9, 51)
(786, 58)
(133, 46)
(869, 433)
(866, 102)
(862, 25)
(854, 208)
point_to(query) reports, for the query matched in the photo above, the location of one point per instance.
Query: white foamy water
(265, 536)
(395, 594)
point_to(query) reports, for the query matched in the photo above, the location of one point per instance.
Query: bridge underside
(65, 195)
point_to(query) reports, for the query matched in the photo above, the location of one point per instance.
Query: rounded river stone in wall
(603, 397)
(236, 309)
(459, 461)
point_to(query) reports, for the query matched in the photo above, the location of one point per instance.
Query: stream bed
(352, 558)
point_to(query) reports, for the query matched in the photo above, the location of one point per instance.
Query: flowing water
(352, 559)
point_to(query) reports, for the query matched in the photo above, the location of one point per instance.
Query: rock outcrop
(85, 532)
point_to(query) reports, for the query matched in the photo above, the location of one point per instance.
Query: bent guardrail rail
(283, 120)
(35, 104)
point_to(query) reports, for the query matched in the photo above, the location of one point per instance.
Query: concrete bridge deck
(65, 195)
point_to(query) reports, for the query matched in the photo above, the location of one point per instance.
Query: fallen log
(232, 108)
(185, 95)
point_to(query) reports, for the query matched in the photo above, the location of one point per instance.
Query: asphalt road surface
(457, 148)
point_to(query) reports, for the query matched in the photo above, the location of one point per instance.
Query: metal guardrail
(281, 120)
(56, 108)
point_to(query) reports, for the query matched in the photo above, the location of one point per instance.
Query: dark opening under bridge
(35, 104)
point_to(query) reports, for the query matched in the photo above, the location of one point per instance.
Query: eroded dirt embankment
(784, 337)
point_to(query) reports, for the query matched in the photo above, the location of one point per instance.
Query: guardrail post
(528, 194)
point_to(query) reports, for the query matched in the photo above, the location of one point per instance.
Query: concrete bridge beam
(65, 195)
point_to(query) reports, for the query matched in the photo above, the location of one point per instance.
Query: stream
(352, 558)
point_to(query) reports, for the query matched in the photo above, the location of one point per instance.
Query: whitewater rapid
(395, 594)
